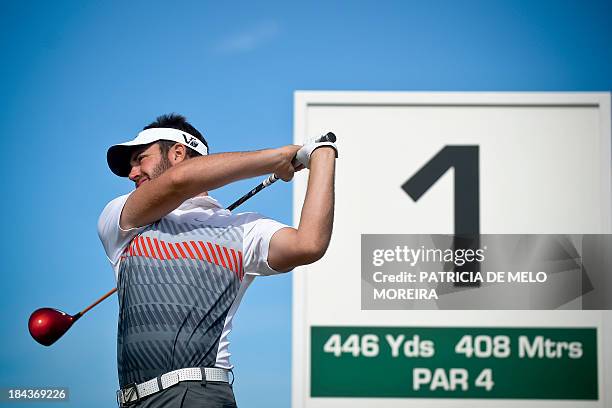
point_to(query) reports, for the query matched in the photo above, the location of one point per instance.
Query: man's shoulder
(120, 198)
(116, 200)
(258, 224)
(112, 211)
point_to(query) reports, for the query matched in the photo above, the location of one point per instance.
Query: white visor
(119, 155)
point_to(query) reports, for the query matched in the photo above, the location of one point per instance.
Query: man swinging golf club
(183, 263)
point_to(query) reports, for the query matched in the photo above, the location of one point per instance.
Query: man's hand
(303, 155)
(286, 168)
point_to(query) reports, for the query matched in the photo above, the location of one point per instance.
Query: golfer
(183, 263)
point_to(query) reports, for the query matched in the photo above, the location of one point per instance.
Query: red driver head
(48, 325)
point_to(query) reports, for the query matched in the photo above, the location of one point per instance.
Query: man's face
(147, 163)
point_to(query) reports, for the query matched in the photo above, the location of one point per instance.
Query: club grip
(272, 178)
(328, 137)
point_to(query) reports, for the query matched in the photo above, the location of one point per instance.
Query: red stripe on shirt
(241, 266)
(205, 251)
(159, 249)
(143, 248)
(171, 245)
(178, 246)
(186, 245)
(153, 254)
(229, 261)
(159, 252)
(220, 255)
(197, 251)
(236, 268)
(212, 251)
(163, 245)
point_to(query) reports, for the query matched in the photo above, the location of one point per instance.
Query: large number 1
(465, 161)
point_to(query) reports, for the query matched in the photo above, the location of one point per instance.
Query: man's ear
(177, 153)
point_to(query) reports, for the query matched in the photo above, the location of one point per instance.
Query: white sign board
(544, 168)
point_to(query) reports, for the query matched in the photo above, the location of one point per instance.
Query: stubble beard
(163, 165)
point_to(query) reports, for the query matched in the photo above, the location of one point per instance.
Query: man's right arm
(158, 197)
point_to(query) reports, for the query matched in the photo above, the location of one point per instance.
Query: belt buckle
(127, 394)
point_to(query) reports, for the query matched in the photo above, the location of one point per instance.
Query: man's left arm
(290, 247)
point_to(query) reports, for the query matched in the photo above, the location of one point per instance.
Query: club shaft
(270, 180)
(81, 313)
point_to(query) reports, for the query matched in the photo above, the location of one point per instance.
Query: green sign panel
(458, 362)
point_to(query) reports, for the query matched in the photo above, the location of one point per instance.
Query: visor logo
(191, 141)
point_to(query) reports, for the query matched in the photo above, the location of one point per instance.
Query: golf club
(47, 325)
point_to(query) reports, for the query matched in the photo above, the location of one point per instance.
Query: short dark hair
(179, 122)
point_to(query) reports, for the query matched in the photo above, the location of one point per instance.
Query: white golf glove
(303, 155)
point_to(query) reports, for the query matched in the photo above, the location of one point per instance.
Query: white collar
(204, 202)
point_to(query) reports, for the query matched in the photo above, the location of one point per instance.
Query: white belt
(135, 392)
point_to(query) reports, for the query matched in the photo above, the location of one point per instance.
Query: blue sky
(77, 77)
